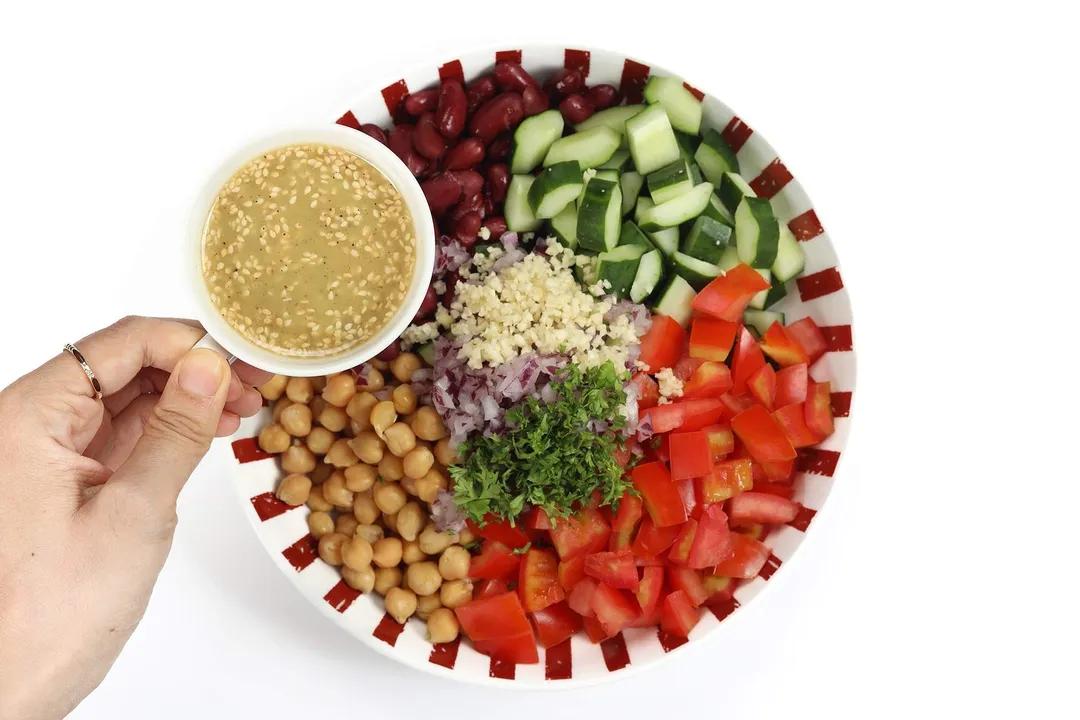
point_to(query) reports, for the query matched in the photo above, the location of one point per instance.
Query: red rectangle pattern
(771, 180)
(452, 71)
(694, 91)
(341, 596)
(348, 120)
(634, 75)
(837, 338)
(302, 552)
(393, 95)
(445, 654)
(724, 608)
(736, 133)
(510, 56)
(388, 630)
(502, 669)
(558, 664)
(806, 226)
(771, 565)
(817, 461)
(668, 641)
(614, 649)
(267, 506)
(802, 520)
(841, 404)
(819, 284)
(577, 60)
(247, 450)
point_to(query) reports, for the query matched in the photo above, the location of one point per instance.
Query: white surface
(940, 148)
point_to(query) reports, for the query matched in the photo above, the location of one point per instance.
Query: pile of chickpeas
(368, 462)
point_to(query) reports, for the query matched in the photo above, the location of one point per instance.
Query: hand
(88, 494)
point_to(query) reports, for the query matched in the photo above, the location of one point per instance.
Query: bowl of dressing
(310, 251)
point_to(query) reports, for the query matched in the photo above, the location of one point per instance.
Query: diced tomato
(791, 385)
(711, 338)
(662, 345)
(754, 530)
(757, 507)
(493, 617)
(809, 337)
(517, 649)
(581, 596)
(501, 531)
(792, 421)
(689, 581)
(721, 440)
(686, 367)
(819, 417)
(538, 581)
(659, 494)
(581, 534)
(689, 497)
(649, 560)
(616, 569)
(625, 522)
(735, 404)
(555, 624)
(711, 379)
(490, 588)
(727, 296)
(762, 435)
(656, 449)
(712, 541)
(494, 562)
(678, 616)
(652, 540)
(746, 361)
(778, 470)
(535, 518)
(571, 571)
(615, 609)
(691, 455)
(699, 413)
(719, 587)
(665, 418)
(728, 478)
(762, 386)
(778, 345)
(680, 551)
(648, 391)
(649, 589)
(784, 491)
(747, 559)
(594, 629)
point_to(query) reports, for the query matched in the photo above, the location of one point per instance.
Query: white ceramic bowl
(819, 293)
(386, 162)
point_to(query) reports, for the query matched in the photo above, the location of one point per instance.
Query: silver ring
(74, 352)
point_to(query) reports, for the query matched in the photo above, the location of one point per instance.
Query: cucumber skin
(631, 234)
(706, 240)
(593, 214)
(768, 233)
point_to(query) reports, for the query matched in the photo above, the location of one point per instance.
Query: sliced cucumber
(650, 273)
(519, 215)
(618, 161)
(631, 234)
(716, 210)
(730, 258)
(617, 268)
(682, 107)
(732, 189)
(673, 212)
(564, 226)
(762, 320)
(695, 174)
(600, 215)
(790, 259)
(688, 145)
(555, 188)
(674, 299)
(706, 240)
(533, 138)
(696, 272)
(715, 157)
(757, 234)
(670, 181)
(666, 240)
(590, 148)
(612, 175)
(776, 293)
(630, 183)
(614, 118)
(652, 141)
(644, 204)
(485, 248)
(427, 352)
(758, 301)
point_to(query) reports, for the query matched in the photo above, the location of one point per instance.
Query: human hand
(88, 495)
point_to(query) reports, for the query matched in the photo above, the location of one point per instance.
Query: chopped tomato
(689, 581)
(778, 470)
(648, 391)
(728, 478)
(710, 379)
(659, 494)
(686, 367)
(727, 296)
(616, 569)
(538, 582)
(698, 413)
(490, 588)
(719, 587)
(678, 616)
(580, 534)
(819, 417)
(500, 531)
(517, 649)
(649, 560)
(494, 562)
(594, 629)
(747, 559)
(665, 418)
(615, 609)
(784, 491)
(689, 497)
(791, 385)
(757, 507)
(691, 455)
(652, 540)
(809, 337)
(712, 541)
(656, 449)
(746, 361)
(762, 435)
(535, 518)
(581, 596)
(778, 345)
(792, 421)
(555, 624)
(680, 551)
(721, 440)
(649, 589)
(498, 616)
(662, 345)
(762, 386)
(711, 338)
(571, 571)
(625, 522)
(735, 404)
(754, 530)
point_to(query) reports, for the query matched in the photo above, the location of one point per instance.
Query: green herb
(547, 457)
(521, 550)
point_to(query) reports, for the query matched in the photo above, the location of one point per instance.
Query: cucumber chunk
(758, 301)
(688, 145)
(682, 107)
(643, 205)
(776, 293)
(614, 118)
(716, 210)
(617, 268)
(590, 148)
(630, 183)
(761, 320)
(730, 258)
(695, 174)
(618, 161)
(673, 300)
(427, 352)
(696, 272)
(519, 215)
(650, 273)
(652, 141)
(612, 175)
(732, 189)
(673, 212)
(715, 157)
(631, 234)
(670, 181)
(533, 139)
(564, 226)
(706, 240)
(757, 234)
(555, 188)
(790, 259)
(666, 240)
(600, 215)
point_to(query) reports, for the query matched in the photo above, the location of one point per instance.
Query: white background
(939, 144)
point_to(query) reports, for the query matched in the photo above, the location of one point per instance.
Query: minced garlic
(670, 386)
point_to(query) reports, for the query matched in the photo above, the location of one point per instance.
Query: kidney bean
(392, 350)
(451, 281)
(426, 139)
(575, 108)
(533, 101)
(374, 131)
(500, 113)
(489, 204)
(500, 149)
(569, 81)
(471, 181)
(602, 96)
(511, 76)
(479, 92)
(418, 103)
(401, 142)
(466, 228)
(466, 154)
(498, 179)
(427, 306)
(496, 225)
(451, 113)
(441, 192)
(466, 205)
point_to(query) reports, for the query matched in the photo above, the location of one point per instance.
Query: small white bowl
(383, 160)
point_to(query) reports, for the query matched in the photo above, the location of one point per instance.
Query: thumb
(179, 430)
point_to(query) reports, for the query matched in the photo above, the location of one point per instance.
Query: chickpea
(319, 440)
(346, 524)
(400, 439)
(368, 447)
(390, 521)
(387, 552)
(404, 399)
(298, 459)
(360, 477)
(341, 454)
(294, 490)
(317, 502)
(340, 389)
(320, 523)
(300, 390)
(391, 468)
(383, 416)
(362, 579)
(333, 418)
(455, 593)
(321, 472)
(423, 578)
(274, 388)
(330, 548)
(442, 626)
(389, 497)
(317, 406)
(364, 508)
(409, 419)
(335, 492)
(296, 419)
(418, 462)
(434, 542)
(445, 453)
(371, 533)
(454, 563)
(411, 552)
(380, 365)
(387, 578)
(427, 604)
(404, 365)
(318, 383)
(360, 406)
(408, 484)
(357, 553)
(410, 520)
(428, 425)
(428, 487)
(279, 407)
(274, 439)
(466, 536)
(400, 603)
(372, 381)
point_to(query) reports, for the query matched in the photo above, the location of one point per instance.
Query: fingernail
(201, 372)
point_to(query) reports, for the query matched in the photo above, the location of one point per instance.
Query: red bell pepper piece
(712, 541)
(710, 380)
(678, 616)
(809, 337)
(819, 417)
(792, 420)
(652, 540)
(758, 507)
(762, 386)
(691, 455)
(791, 385)
(625, 522)
(747, 559)
(663, 344)
(746, 361)
(762, 435)
(726, 297)
(659, 494)
(648, 391)
(728, 478)
(778, 345)
(721, 440)
(711, 338)
(616, 569)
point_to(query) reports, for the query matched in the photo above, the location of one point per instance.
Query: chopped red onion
(446, 514)
(510, 258)
(449, 256)
(509, 240)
